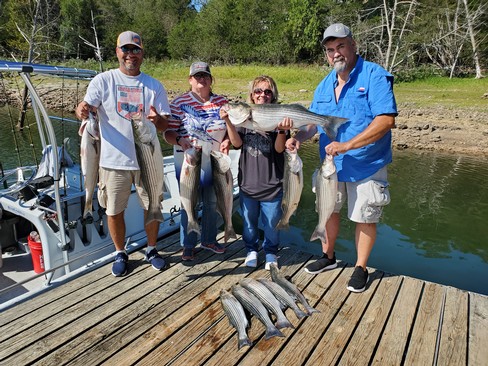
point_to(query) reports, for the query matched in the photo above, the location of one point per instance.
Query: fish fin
(154, 214)
(282, 226)
(300, 313)
(193, 227)
(310, 310)
(229, 234)
(318, 233)
(284, 323)
(272, 331)
(245, 341)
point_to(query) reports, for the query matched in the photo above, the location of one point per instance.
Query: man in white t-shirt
(117, 96)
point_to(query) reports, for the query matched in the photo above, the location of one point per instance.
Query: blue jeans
(209, 220)
(270, 212)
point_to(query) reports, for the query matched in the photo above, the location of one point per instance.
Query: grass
(296, 83)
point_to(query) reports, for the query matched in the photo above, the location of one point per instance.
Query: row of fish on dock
(266, 300)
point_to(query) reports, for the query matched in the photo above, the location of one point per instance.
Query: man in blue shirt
(361, 91)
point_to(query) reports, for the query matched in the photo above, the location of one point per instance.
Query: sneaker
(270, 258)
(155, 259)
(188, 254)
(321, 265)
(119, 268)
(251, 259)
(358, 280)
(214, 247)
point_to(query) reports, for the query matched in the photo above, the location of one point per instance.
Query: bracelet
(281, 132)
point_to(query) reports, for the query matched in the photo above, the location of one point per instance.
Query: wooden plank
(422, 346)
(454, 329)
(306, 337)
(228, 353)
(360, 349)
(79, 312)
(478, 330)
(394, 338)
(196, 342)
(329, 349)
(121, 321)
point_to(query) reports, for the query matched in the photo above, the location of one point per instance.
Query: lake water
(435, 227)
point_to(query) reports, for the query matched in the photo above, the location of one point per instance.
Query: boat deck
(175, 317)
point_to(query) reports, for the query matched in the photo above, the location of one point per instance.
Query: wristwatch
(282, 132)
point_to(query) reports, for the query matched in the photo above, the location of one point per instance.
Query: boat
(51, 206)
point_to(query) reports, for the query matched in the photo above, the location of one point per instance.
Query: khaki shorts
(115, 187)
(366, 198)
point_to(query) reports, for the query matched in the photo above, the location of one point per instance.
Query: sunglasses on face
(134, 50)
(259, 91)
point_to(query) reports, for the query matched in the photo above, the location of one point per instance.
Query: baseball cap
(199, 66)
(337, 30)
(129, 37)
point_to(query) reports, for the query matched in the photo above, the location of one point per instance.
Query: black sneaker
(321, 265)
(358, 280)
(155, 259)
(119, 268)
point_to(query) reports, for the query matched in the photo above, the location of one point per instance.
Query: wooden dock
(175, 318)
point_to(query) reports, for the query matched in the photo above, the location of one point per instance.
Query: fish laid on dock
(223, 183)
(326, 196)
(237, 317)
(255, 307)
(89, 159)
(291, 288)
(283, 297)
(268, 300)
(292, 187)
(266, 117)
(190, 186)
(150, 159)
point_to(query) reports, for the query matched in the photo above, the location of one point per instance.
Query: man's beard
(340, 65)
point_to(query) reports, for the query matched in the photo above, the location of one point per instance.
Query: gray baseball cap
(337, 30)
(199, 66)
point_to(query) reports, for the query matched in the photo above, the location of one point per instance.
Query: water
(434, 228)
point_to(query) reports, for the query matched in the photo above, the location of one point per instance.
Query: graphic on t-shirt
(198, 124)
(130, 100)
(256, 144)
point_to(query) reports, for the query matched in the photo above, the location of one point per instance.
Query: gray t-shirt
(261, 168)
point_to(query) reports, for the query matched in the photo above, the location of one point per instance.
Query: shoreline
(436, 129)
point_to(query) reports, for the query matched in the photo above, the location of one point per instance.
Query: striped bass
(237, 317)
(150, 159)
(189, 186)
(268, 300)
(283, 297)
(326, 196)
(255, 307)
(292, 187)
(266, 117)
(224, 190)
(291, 288)
(90, 159)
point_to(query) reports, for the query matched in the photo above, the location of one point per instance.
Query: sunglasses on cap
(134, 50)
(259, 91)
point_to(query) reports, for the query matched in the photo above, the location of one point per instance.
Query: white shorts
(366, 198)
(115, 187)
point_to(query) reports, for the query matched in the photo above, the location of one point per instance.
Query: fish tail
(300, 314)
(88, 210)
(244, 341)
(272, 331)
(319, 233)
(283, 225)
(153, 214)
(229, 234)
(310, 310)
(284, 323)
(193, 226)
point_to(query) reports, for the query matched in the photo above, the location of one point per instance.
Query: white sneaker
(270, 258)
(251, 259)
